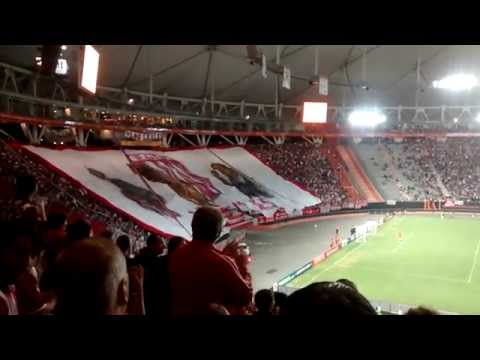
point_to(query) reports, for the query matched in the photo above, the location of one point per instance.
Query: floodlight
(91, 59)
(315, 112)
(366, 118)
(457, 82)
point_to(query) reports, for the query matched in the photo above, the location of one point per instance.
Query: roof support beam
(243, 58)
(171, 67)
(414, 68)
(132, 66)
(207, 76)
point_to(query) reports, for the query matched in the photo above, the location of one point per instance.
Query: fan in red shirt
(15, 250)
(201, 275)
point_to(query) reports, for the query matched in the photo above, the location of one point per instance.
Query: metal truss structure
(29, 94)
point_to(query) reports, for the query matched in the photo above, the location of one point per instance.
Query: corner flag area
(434, 263)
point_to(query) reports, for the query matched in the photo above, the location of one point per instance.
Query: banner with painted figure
(162, 189)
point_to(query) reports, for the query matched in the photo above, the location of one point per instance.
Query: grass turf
(435, 265)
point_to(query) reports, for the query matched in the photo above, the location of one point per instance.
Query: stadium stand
(127, 202)
(308, 166)
(58, 194)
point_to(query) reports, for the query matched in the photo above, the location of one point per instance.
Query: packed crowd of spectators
(54, 266)
(51, 268)
(413, 161)
(52, 263)
(456, 161)
(432, 168)
(306, 165)
(56, 192)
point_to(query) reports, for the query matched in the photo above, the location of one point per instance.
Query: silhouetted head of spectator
(106, 234)
(92, 279)
(78, 230)
(421, 310)
(15, 251)
(123, 243)
(264, 302)
(175, 242)
(217, 310)
(327, 299)
(30, 214)
(280, 301)
(25, 187)
(207, 224)
(56, 221)
(155, 244)
(348, 283)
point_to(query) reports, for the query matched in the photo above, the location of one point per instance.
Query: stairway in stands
(339, 167)
(357, 175)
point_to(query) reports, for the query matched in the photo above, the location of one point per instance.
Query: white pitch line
(474, 262)
(315, 275)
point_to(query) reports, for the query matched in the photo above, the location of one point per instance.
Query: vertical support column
(150, 90)
(276, 96)
(34, 86)
(34, 131)
(203, 140)
(165, 139)
(417, 89)
(317, 140)
(241, 140)
(212, 83)
(277, 90)
(183, 103)
(261, 110)
(80, 137)
(150, 78)
(279, 140)
(26, 131)
(10, 75)
(42, 132)
(165, 101)
(204, 106)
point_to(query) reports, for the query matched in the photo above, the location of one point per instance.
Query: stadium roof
(193, 71)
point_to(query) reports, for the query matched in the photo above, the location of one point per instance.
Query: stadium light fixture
(455, 120)
(315, 112)
(366, 118)
(89, 69)
(457, 82)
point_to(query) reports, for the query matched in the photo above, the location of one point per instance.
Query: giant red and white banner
(162, 189)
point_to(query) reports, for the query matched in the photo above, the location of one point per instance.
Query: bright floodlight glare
(478, 117)
(455, 120)
(366, 118)
(315, 112)
(457, 82)
(64, 47)
(90, 69)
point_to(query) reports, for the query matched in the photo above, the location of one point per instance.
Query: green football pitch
(436, 264)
